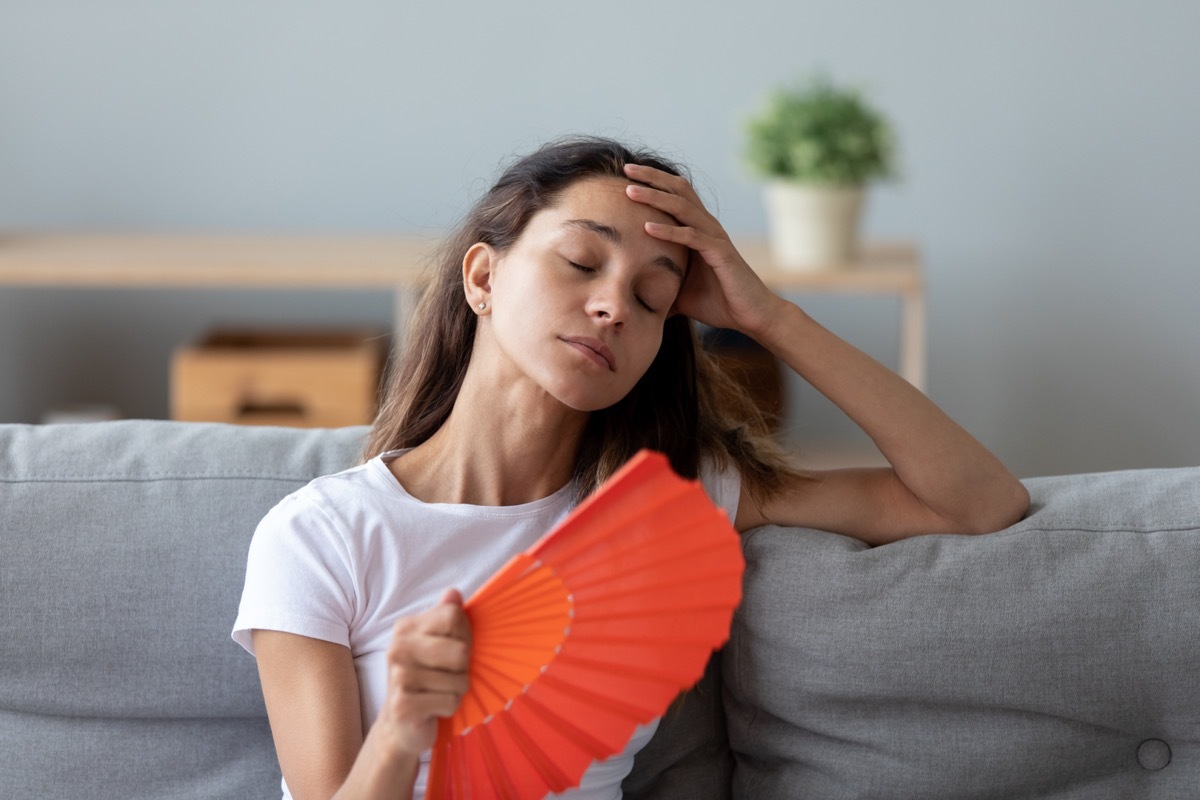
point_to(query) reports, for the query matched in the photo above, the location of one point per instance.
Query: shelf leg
(404, 303)
(912, 339)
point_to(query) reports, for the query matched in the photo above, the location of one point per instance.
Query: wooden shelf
(225, 261)
(881, 267)
(299, 261)
(397, 263)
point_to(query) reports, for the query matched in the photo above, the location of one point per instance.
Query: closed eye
(641, 302)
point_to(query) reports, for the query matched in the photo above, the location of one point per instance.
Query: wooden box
(299, 378)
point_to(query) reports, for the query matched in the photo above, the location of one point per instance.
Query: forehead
(603, 199)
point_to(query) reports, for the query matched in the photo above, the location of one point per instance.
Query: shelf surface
(349, 261)
(193, 261)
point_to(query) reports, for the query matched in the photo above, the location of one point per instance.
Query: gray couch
(1057, 659)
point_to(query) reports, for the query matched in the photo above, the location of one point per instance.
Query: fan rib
(529, 588)
(525, 752)
(593, 630)
(657, 551)
(702, 588)
(582, 739)
(670, 677)
(613, 705)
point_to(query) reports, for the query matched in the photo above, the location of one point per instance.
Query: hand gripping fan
(589, 633)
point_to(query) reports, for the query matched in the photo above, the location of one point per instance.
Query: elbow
(1001, 511)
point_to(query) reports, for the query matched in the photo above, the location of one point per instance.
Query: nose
(610, 301)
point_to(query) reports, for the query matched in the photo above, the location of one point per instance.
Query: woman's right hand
(427, 674)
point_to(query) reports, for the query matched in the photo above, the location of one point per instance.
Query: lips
(596, 348)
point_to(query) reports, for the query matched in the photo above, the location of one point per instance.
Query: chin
(587, 404)
(574, 398)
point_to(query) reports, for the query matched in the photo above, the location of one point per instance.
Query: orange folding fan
(589, 633)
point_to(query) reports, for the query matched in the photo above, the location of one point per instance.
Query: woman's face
(579, 301)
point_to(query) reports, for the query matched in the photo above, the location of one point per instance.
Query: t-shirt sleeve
(723, 486)
(299, 576)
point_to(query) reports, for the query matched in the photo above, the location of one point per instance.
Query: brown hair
(685, 406)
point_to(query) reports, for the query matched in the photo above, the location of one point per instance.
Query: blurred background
(1049, 155)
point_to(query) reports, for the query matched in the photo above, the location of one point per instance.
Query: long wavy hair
(685, 405)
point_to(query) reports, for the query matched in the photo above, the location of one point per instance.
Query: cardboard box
(299, 378)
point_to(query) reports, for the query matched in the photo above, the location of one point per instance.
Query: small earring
(482, 306)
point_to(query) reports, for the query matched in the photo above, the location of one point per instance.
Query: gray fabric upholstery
(689, 757)
(51, 756)
(1058, 659)
(122, 552)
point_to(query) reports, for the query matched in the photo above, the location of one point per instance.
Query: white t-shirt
(347, 555)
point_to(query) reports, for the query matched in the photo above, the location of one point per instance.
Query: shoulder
(326, 508)
(364, 484)
(303, 568)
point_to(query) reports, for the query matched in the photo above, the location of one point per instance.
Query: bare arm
(312, 697)
(311, 692)
(940, 480)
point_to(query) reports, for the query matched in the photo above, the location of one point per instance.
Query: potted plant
(818, 145)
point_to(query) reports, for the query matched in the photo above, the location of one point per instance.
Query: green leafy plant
(816, 132)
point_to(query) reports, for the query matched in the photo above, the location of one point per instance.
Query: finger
(682, 209)
(443, 623)
(418, 705)
(437, 621)
(443, 653)
(447, 618)
(676, 184)
(451, 621)
(431, 652)
(427, 706)
(682, 234)
(416, 680)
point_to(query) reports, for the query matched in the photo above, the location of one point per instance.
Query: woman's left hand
(721, 289)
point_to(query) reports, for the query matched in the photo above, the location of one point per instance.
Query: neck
(499, 447)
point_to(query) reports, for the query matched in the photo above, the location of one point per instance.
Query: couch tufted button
(1154, 754)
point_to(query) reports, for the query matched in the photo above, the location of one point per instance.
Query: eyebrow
(613, 235)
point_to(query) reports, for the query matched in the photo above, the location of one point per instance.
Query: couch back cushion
(1057, 659)
(689, 757)
(122, 554)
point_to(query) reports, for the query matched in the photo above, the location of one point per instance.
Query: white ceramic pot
(812, 227)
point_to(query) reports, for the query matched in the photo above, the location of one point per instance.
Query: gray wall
(1050, 157)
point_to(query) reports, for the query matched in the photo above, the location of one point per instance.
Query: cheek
(516, 306)
(651, 343)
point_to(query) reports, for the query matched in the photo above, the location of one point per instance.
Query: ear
(479, 262)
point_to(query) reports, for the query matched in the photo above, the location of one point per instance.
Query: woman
(556, 341)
